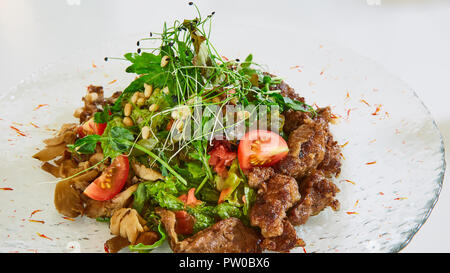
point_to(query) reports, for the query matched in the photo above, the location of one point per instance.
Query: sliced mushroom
(146, 173)
(68, 200)
(50, 152)
(66, 134)
(57, 145)
(96, 209)
(127, 223)
(117, 243)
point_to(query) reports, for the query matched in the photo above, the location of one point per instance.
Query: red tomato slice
(111, 181)
(261, 148)
(91, 128)
(98, 128)
(189, 199)
(185, 223)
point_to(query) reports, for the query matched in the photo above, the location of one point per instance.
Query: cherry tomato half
(90, 127)
(261, 148)
(111, 181)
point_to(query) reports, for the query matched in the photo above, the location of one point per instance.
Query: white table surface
(410, 38)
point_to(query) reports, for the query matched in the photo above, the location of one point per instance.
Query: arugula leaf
(160, 193)
(102, 116)
(103, 219)
(145, 63)
(141, 248)
(85, 145)
(118, 137)
(297, 105)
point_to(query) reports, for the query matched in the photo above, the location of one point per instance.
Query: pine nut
(165, 90)
(140, 102)
(165, 60)
(148, 90)
(145, 132)
(134, 98)
(153, 107)
(78, 112)
(127, 109)
(127, 121)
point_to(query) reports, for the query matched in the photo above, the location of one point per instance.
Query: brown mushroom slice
(117, 243)
(146, 173)
(83, 180)
(67, 200)
(96, 209)
(169, 221)
(52, 169)
(127, 223)
(67, 134)
(50, 152)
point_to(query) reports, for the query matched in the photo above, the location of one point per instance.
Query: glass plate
(393, 153)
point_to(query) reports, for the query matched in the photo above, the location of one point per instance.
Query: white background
(410, 38)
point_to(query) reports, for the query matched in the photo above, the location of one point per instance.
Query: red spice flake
(105, 247)
(334, 116)
(365, 102)
(6, 189)
(34, 125)
(401, 198)
(37, 221)
(321, 73)
(320, 46)
(35, 211)
(351, 212)
(342, 155)
(377, 110)
(93, 65)
(43, 236)
(18, 131)
(349, 181)
(111, 82)
(39, 106)
(294, 67)
(381, 193)
(68, 218)
(347, 96)
(356, 203)
(343, 145)
(225, 58)
(370, 163)
(304, 250)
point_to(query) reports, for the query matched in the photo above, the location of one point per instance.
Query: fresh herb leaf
(85, 145)
(141, 248)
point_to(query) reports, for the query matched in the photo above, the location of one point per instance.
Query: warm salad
(210, 154)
